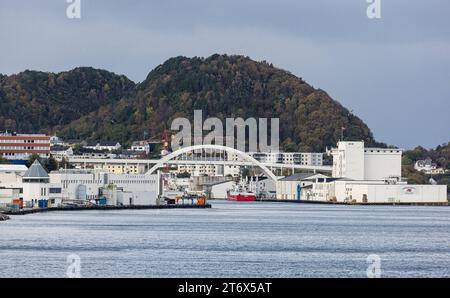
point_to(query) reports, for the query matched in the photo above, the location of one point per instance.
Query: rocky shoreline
(3, 217)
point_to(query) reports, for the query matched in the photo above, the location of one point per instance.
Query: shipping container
(43, 204)
(101, 201)
(18, 202)
(13, 206)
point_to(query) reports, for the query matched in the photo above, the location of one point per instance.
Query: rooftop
(13, 168)
(300, 176)
(36, 171)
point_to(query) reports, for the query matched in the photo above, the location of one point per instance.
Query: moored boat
(241, 196)
(241, 193)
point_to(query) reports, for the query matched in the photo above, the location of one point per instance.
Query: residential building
(141, 146)
(104, 146)
(114, 168)
(59, 152)
(428, 167)
(289, 158)
(21, 146)
(56, 141)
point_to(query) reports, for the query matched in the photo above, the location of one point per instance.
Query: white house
(56, 141)
(100, 146)
(59, 152)
(142, 146)
(428, 167)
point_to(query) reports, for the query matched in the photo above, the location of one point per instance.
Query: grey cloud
(392, 72)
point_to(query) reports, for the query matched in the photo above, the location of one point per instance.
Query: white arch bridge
(171, 159)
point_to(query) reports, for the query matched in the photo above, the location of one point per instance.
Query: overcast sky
(393, 72)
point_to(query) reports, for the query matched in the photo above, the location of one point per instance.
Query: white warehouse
(361, 175)
(34, 187)
(353, 161)
(119, 189)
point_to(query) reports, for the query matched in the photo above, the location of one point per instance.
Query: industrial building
(125, 189)
(34, 187)
(360, 175)
(352, 160)
(293, 187)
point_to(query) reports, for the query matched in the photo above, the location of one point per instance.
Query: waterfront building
(118, 189)
(11, 183)
(37, 189)
(19, 147)
(294, 187)
(34, 187)
(353, 161)
(360, 175)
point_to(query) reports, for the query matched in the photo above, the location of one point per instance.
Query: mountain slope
(224, 86)
(34, 101)
(92, 104)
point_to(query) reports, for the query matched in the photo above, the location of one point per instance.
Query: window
(54, 190)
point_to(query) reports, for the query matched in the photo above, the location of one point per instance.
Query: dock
(82, 208)
(359, 203)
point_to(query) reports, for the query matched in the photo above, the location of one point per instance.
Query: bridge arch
(241, 154)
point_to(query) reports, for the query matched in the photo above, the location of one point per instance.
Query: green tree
(64, 164)
(51, 164)
(32, 158)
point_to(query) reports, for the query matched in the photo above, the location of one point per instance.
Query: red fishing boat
(240, 194)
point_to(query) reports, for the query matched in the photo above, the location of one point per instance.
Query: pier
(81, 208)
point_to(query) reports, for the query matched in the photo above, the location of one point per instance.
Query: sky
(392, 72)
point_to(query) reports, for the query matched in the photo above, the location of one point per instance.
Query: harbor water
(230, 240)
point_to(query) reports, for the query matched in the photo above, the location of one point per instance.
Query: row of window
(384, 151)
(25, 141)
(66, 182)
(23, 148)
(20, 154)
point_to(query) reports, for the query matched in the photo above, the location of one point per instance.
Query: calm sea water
(230, 240)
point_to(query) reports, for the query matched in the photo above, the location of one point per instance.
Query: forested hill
(34, 101)
(97, 105)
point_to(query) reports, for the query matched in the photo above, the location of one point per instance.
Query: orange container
(201, 201)
(18, 202)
